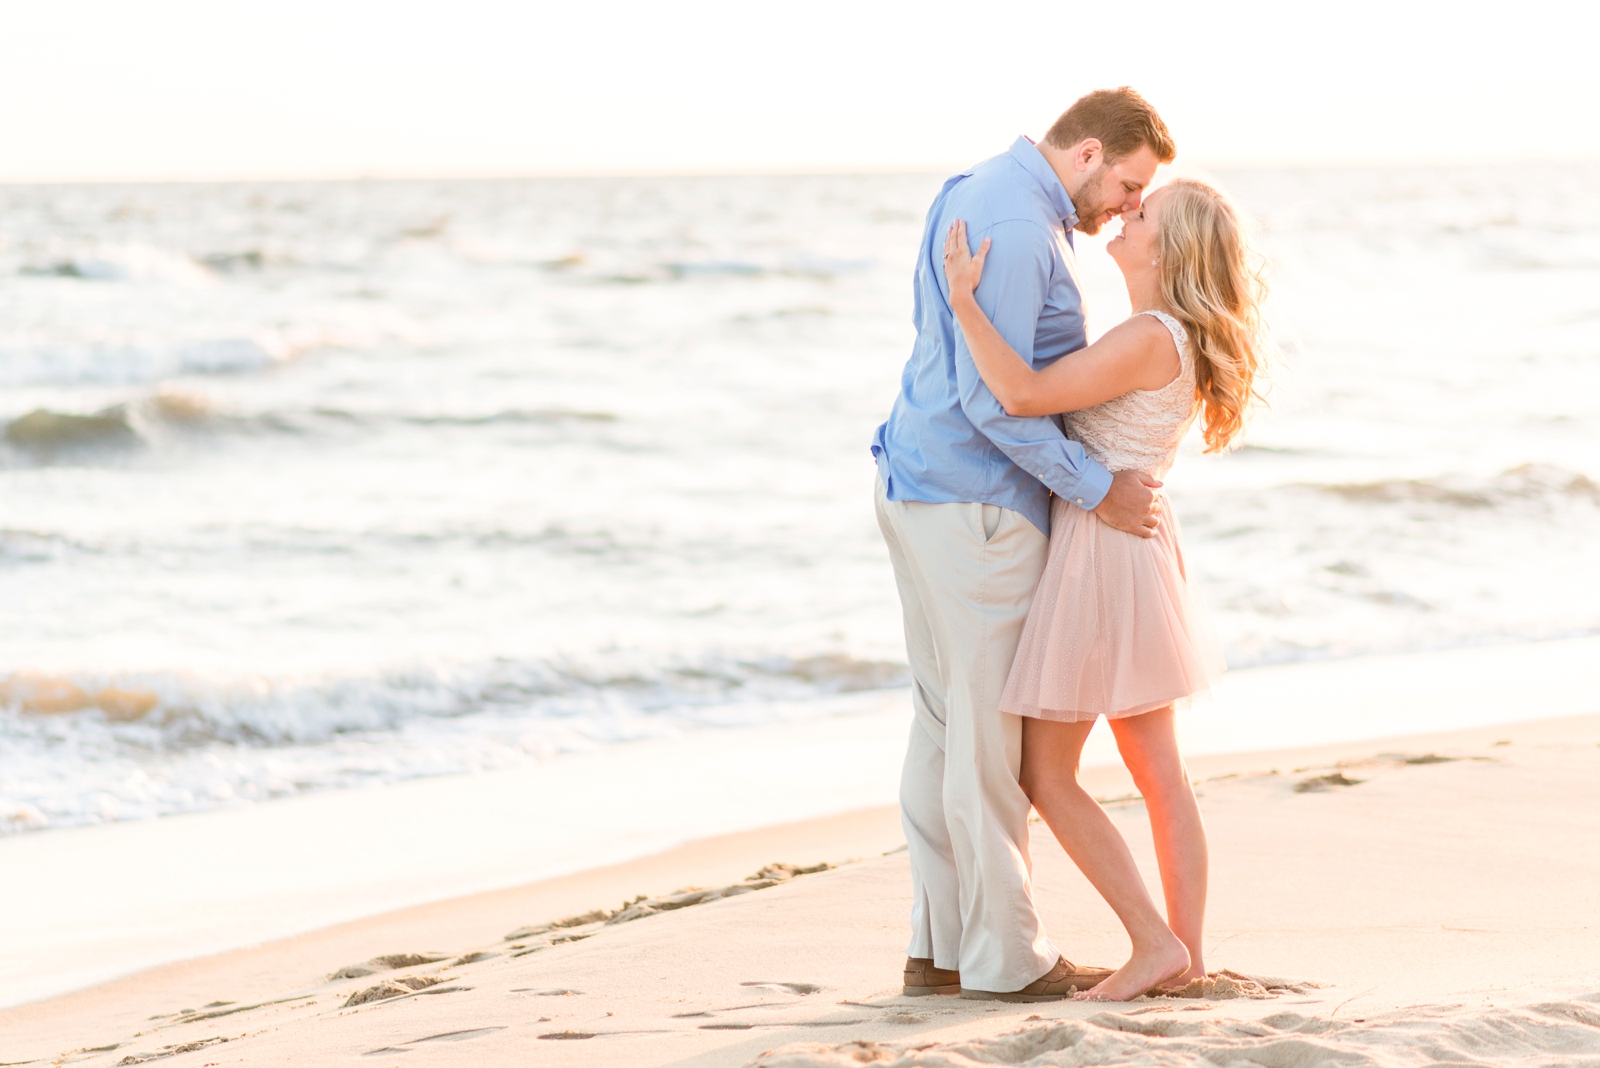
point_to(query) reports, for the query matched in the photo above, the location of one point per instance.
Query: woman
(1115, 628)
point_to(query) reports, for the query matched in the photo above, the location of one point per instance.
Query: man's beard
(1085, 200)
(1090, 226)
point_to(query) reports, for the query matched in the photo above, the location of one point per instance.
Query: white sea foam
(210, 741)
(130, 262)
(387, 441)
(128, 362)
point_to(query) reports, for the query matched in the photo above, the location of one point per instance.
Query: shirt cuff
(1092, 487)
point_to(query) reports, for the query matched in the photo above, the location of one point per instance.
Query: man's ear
(1089, 150)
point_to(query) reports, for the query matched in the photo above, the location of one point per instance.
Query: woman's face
(1135, 247)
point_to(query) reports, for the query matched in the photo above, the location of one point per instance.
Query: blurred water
(366, 481)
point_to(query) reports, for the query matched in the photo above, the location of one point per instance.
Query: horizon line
(404, 175)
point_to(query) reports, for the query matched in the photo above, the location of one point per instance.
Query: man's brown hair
(1120, 119)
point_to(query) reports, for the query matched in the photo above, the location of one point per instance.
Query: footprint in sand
(165, 1051)
(388, 963)
(642, 906)
(1318, 783)
(400, 987)
(448, 1036)
(786, 988)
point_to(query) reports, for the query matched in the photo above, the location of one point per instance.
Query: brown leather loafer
(1055, 985)
(922, 979)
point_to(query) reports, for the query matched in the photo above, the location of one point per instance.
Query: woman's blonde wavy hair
(1212, 282)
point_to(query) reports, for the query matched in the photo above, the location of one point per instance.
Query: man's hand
(1131, 504)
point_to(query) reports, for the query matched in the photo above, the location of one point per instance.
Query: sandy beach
(1427, 899)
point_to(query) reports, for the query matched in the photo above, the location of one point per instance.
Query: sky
(189, 89)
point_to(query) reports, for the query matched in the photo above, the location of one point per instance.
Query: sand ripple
(1565, 1033)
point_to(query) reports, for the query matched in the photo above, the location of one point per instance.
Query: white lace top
(1141, 430)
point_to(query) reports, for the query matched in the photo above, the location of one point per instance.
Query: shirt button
(1080, 500)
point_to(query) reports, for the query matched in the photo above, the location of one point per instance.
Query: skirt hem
(1077, 715)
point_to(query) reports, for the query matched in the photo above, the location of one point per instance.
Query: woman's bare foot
(1189, 975)
(1146, 969)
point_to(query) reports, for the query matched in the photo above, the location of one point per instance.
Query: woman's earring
(1154, 263)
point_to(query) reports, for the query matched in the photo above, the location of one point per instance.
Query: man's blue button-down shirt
(947, 438)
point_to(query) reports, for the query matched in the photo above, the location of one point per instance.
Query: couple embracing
(1039, 566)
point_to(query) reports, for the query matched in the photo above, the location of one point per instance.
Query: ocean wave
(33, 546)
(579, 267)
(792, 267)
(48, 433)
(1311, 570)
(44, 435)
(114, 363)
(520, 416)
(714, 268)
(82, 748)
(247, 260)
(1517, 486)
(299, 422)
(121, 263)
(191, 709)
(135, 359)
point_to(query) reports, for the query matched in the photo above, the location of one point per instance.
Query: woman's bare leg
(1050, 754)
(1149, 747)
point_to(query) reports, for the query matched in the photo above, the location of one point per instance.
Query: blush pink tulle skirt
(1116, 627)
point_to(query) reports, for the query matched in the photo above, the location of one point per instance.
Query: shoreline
(1448, 935)
(190, 886)
(194, 885)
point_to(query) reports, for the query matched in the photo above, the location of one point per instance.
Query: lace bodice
(1141, 430)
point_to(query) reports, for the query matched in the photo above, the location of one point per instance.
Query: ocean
(319, 485)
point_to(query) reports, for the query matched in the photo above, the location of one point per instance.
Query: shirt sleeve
(1016, 278)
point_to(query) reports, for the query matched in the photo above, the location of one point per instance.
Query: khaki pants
(966, 574)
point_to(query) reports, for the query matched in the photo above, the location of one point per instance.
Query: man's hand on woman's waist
(1131, 504)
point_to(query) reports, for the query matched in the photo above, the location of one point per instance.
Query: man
(963, 503)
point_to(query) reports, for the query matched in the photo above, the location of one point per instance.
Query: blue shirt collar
(1028, 156)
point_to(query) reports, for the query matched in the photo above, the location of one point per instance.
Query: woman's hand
(962, 269)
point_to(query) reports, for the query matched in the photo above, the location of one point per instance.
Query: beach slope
(1412, 901)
